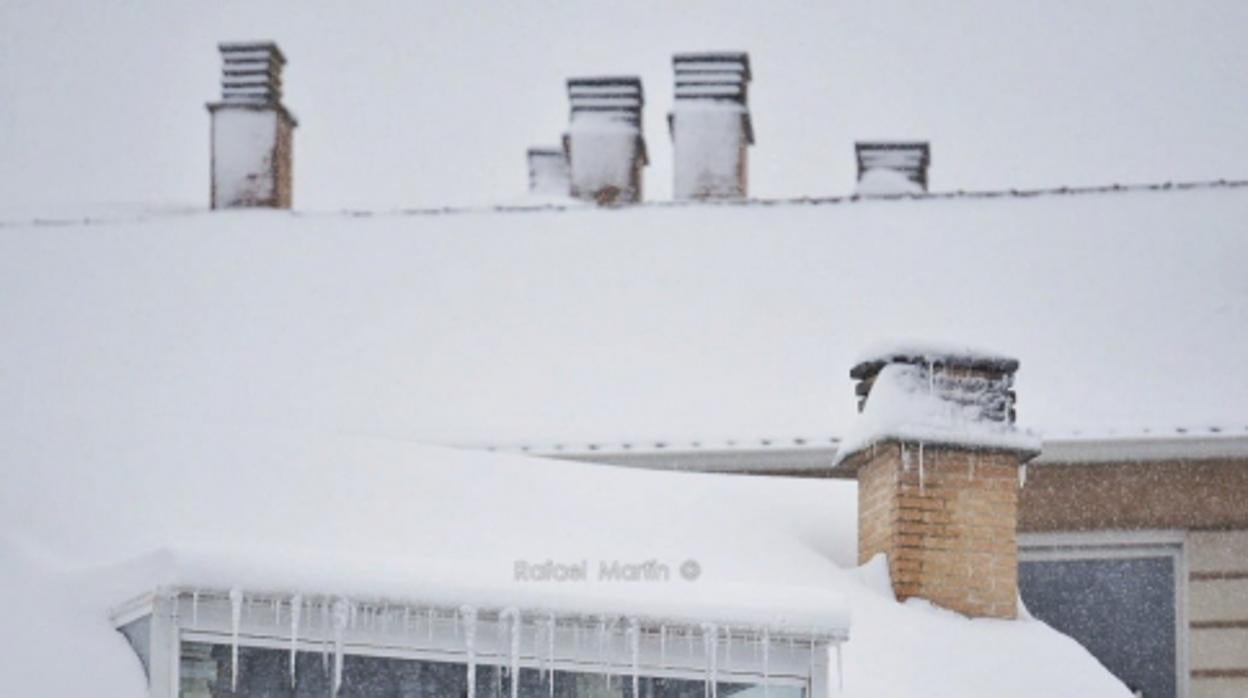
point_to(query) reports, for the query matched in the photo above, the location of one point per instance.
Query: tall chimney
(939, 464)
(548, 171)
(605, 146)
(892, 166)
(710, 125)
(251, 129)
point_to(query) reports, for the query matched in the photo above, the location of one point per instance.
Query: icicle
(662, 646)
(325, 635)
(922, 480)
(236, 616)
(710, 643)
(634, 640)
(1022, 475)
(343, 613)
(296, 608)
(195, 609)
(812, 657)
(728, 647)
(407, 620)
(766, 641)
(905, 458)
(602, 642)
(455, 627)
(432, 617)
(513, 655)
(550, 653)
(277, 611)
(840, 676)
(470, 646)
(689, 640)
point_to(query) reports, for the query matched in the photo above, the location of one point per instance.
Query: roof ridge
(1014, 193)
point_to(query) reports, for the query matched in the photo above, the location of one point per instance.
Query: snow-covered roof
(128, 505)
(658, 323)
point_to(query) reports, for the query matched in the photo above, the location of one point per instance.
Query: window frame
(1118, 545)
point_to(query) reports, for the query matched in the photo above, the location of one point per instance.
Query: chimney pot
(710, 125)
(252, 131)
(605, 147)
(548, 171)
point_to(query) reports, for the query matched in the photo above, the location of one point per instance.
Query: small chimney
(605, 147)
(892, 167)
(548, 171)
(251, 129)
(939, 464)
(710, 125)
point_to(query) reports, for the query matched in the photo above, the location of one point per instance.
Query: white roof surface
(235, 398)
(1128, 310)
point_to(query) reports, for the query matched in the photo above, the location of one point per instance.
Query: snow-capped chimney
(939, 464)
(251, 129)
(605, 147)
(892, 167)
(548, 171)
(710, 125)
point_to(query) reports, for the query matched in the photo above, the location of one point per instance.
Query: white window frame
(795, 658)
(1117, 545)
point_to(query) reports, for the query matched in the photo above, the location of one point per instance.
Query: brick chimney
(251, 129)
(882, 160)
(605, 147)
(939, 465)
(548, 171)
(710, 126)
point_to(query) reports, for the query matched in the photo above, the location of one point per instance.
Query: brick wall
(947, 524)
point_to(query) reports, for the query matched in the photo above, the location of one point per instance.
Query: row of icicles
(340, 614)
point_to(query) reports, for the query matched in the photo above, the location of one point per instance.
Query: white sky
(411, 104)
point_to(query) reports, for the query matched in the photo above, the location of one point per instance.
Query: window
(206, 671)
(211, 645)
(1117, 594)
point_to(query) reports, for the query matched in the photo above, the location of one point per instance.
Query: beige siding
(1217, 688)
(1217, 605)
(1217, 600)
(1218, 551)
(1219, 648)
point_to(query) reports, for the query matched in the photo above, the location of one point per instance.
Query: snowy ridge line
(751, 202)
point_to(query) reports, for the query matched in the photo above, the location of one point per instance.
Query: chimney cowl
(934, 395)
(910, 159)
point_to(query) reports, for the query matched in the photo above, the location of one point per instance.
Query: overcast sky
(411, 104)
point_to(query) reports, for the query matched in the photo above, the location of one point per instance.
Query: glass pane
(1122, 610)
(206, 672)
